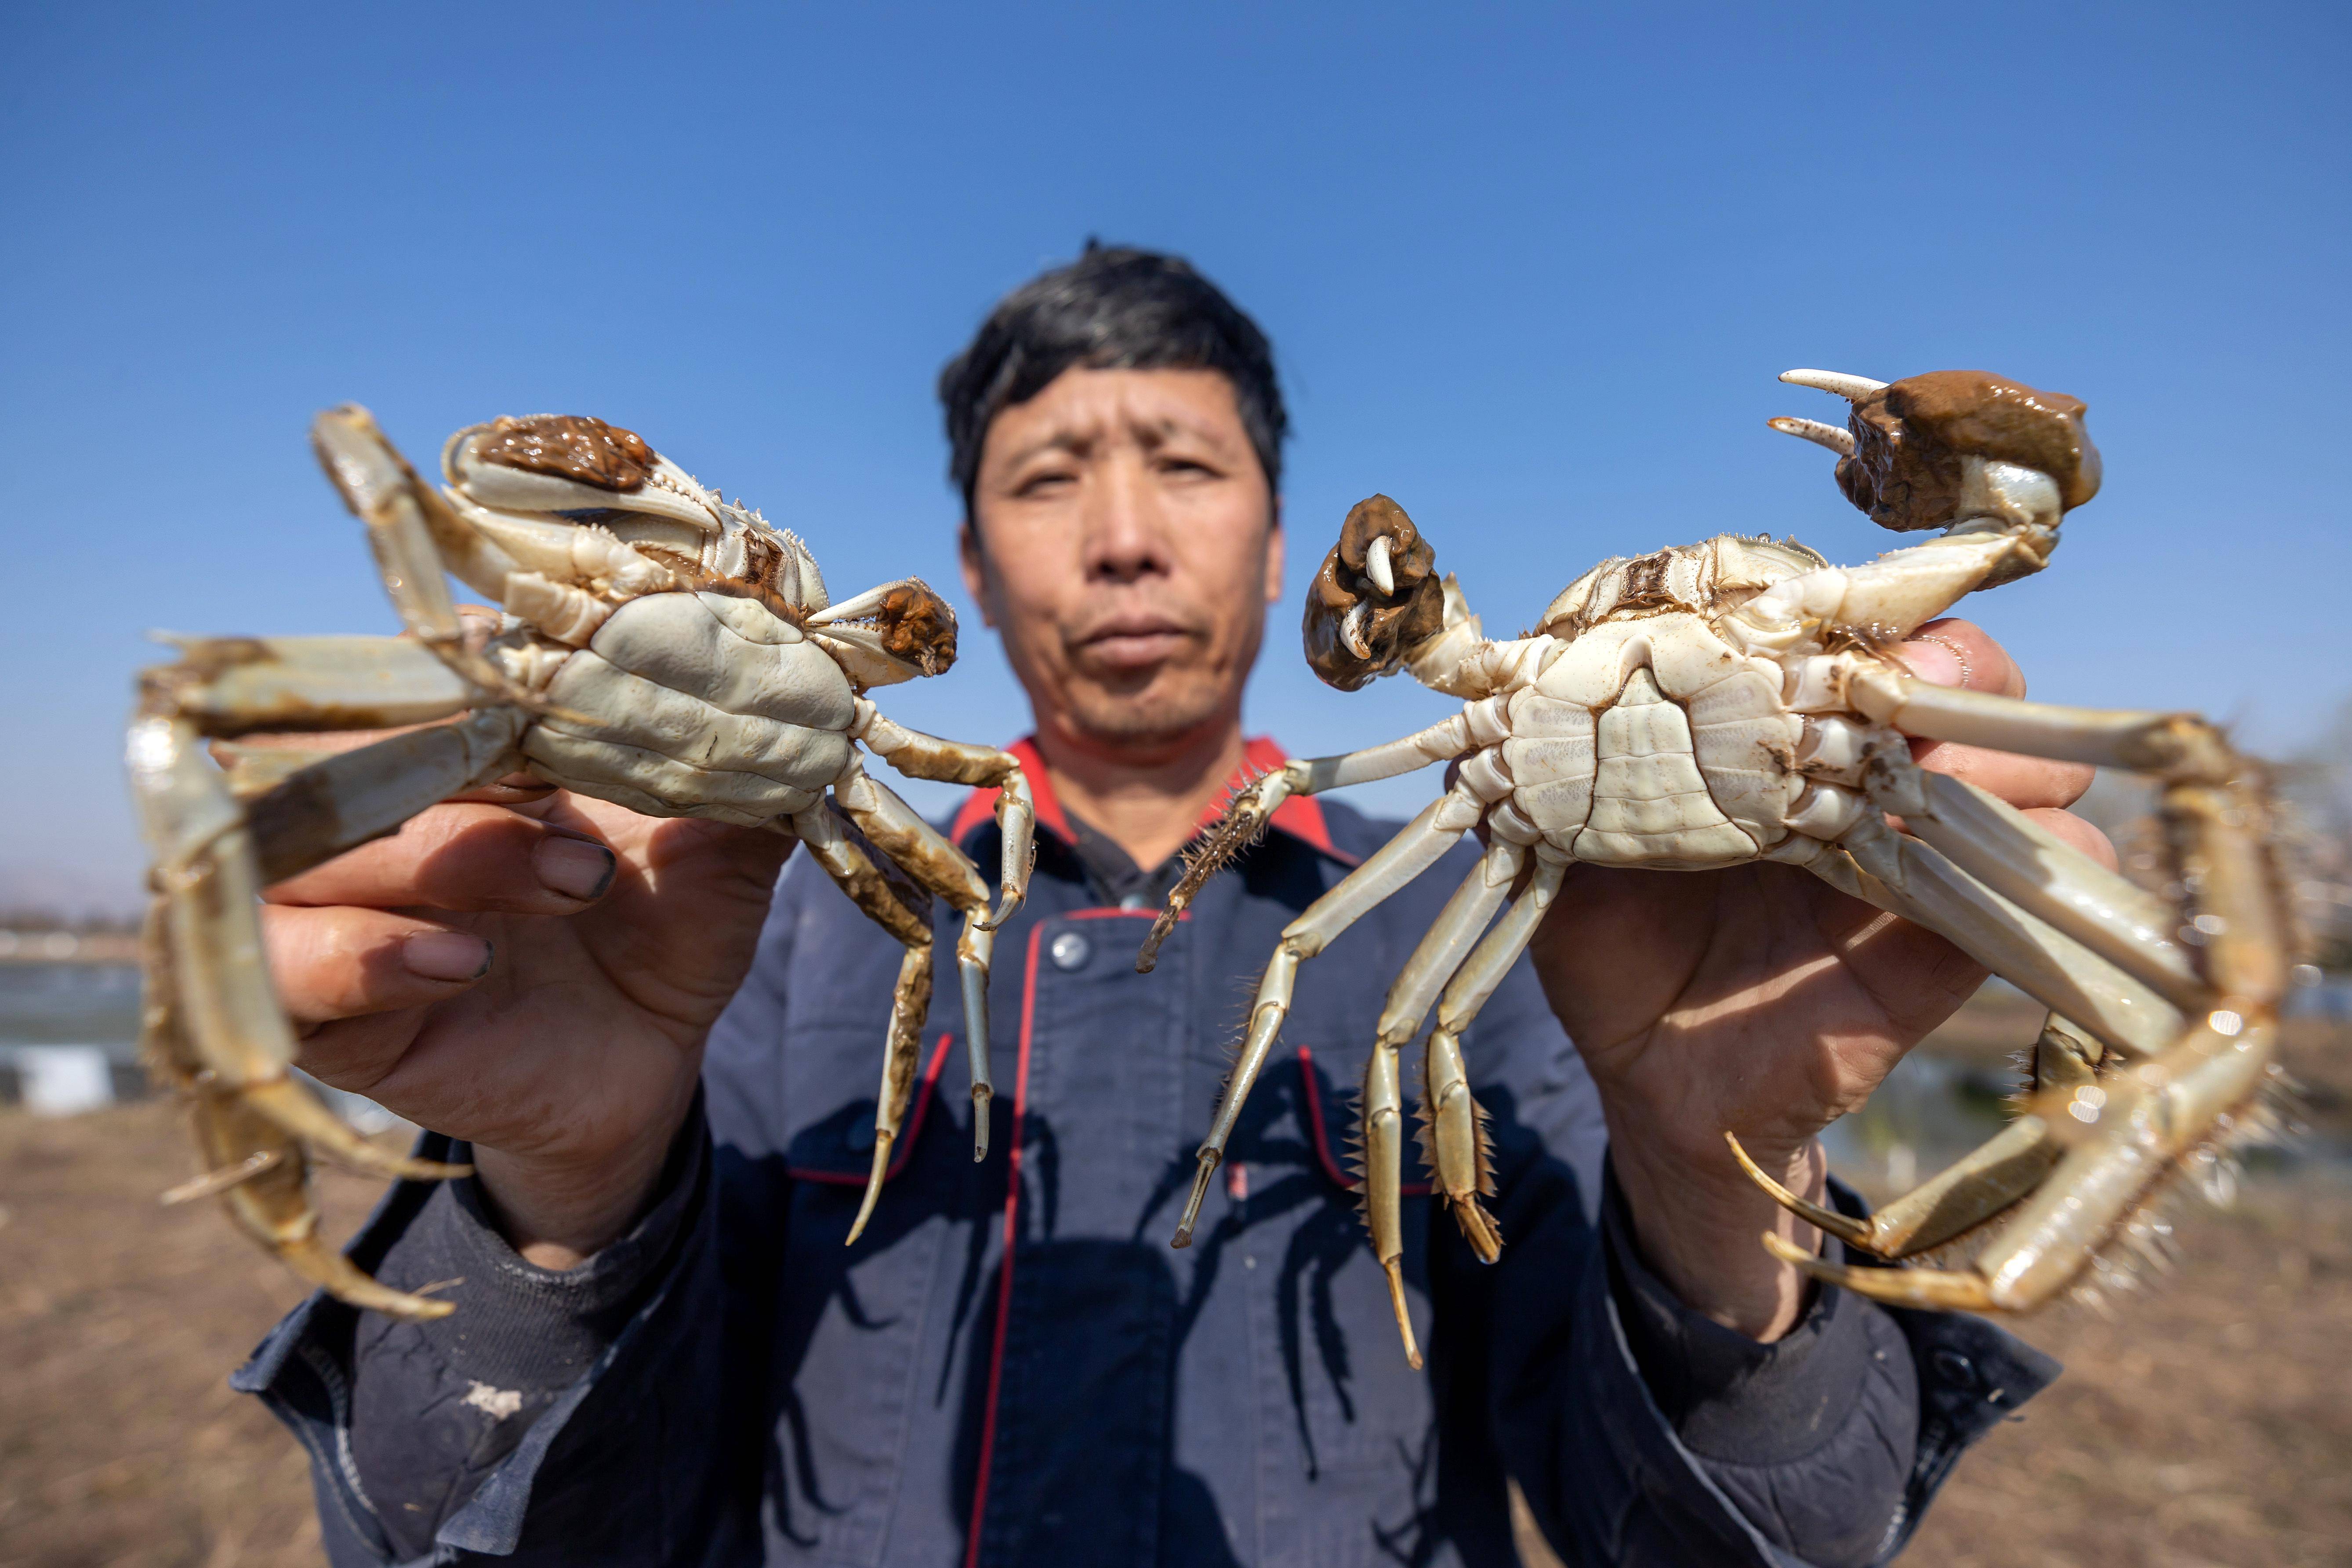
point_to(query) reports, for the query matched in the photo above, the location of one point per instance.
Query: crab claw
(1376, 599)
(1932, 1290)
(1836, 437)
(569, 462)
(896, 632)
(1953, 448)
(1853, 388)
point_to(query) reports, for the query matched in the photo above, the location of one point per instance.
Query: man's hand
(537, 977)
(1760, 1000)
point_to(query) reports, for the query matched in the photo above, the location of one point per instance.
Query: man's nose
(1127, 535)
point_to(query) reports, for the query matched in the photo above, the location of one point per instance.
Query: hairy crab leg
(416, 536)
(209, 887)
(341, 802)
(1454, 1141)
(1975, 1188)
(1450, 1139)
(212, 854)
(255, 1167)
(1906, 877)
(1420, 844)
(923, 854)
(2145, 1123)
(921, 756)
(2003, 848)
(239, 686)
(1381, 1166)
(2169, 745)
(1255, 805)
(910, 1001)
(2127, 1129)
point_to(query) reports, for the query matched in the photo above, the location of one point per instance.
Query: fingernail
(446, 955)
(574, 866)
(1933, 662)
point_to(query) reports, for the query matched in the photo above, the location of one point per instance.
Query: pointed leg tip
(1930, 1290)
(1479, 1229)
(1395, 1268)
(1852, 1231)
(1209, 1160)
(873, 1195)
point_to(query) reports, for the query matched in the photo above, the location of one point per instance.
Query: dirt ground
(2210, 1422)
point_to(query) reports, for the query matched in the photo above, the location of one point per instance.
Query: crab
(1739, 699)
(660, 648)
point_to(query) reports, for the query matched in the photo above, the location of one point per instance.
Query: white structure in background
(62, 1081)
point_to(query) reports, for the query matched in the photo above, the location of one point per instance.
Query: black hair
(1115, 308)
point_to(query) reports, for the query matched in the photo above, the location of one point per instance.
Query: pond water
(1930, 1111)
(69, 1042)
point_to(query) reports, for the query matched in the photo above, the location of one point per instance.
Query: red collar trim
(1301, 815)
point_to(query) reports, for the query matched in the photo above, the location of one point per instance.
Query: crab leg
(1455, 1140)
(253, 1165)
(921, 851)
(2143, 1123)
(1381, 1166)
(921, 756)
(859, 877)
(2127, 1129)
(236, 686)
(342, 801)
(1254, 806)
(1449, 1136)
(2002, 848)
(1977, 1187)
(417, 538)
(209, 887)
(2170, 744)
(1906, 877)
(1420, 846)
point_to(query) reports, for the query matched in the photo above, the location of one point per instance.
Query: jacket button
(1953, 1367)
(1070, 950)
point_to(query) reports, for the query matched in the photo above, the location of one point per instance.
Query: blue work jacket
(1013, 1369)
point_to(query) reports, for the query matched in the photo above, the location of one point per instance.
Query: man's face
(1126, 549)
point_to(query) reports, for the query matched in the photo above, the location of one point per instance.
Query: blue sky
(1529, 269)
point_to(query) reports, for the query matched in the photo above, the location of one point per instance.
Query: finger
(343, 963)
(509, 789)
(2028, 783)
(2079, 836)
(1954, 652)
(463, 857)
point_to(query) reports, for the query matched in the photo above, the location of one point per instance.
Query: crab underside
(660, 649)
(1737, 700)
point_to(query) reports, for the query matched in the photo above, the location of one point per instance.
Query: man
(664, 1352)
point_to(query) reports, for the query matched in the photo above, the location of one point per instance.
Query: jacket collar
(1301, 816)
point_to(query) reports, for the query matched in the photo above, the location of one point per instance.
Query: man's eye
(1187, 468)
(1044, 483)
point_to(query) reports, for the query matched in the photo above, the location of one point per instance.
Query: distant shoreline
(67, 947)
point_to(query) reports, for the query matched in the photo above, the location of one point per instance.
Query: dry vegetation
(120, 1441)
(2209, 1424)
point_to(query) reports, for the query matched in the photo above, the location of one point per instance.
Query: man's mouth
(1133, 642)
